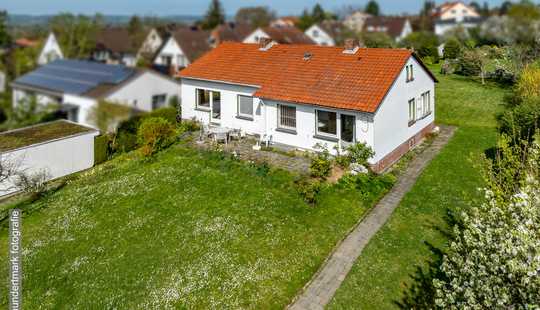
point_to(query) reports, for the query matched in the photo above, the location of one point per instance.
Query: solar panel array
(74, 76)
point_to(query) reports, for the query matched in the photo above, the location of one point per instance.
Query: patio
(234, 142)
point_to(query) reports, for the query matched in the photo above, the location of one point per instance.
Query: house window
(347, 127)
(159, 101)
(410, 73)
(326, 122)
(426, 103)
(412, 112)
(203, 99)
(286, 116)
(315, 33)
(245, 106)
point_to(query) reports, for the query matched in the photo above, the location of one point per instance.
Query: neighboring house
(183, 47)
(24, 42)
(356, 21)
(397, 28)
(451, 15)
(52, 150)
(285, 21)
(280, 35)
(328, 33)
(232, 32)
(301, 96)
(115, 45)
(51, 51)
(77, 86)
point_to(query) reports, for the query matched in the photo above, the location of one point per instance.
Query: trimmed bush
(101, 149)
(321, 164)
(154, 135)
(528, 84)
(452, 49)
(168, 113)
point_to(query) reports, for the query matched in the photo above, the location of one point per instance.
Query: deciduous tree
(372, 7)
(259, 16)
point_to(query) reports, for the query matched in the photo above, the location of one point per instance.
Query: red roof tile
(329, 78)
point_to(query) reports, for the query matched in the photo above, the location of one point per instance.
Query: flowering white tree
(494, 262)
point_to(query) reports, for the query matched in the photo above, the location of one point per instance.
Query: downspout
(265, 111)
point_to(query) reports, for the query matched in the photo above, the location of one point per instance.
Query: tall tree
(318, 14)
(258, 16)
(306, 20)
(135, 25)
(476, 6)
(214, 16)
(75, 33)
(505, 7)
(5, 38)
(373, 8)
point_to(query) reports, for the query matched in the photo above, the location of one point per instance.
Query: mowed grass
(188, 230)
(381, 274)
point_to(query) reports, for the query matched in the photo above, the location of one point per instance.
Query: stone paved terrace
(277, 155)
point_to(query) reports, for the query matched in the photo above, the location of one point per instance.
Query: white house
(77, 86)
(356, 20)
(115, 45)
(303, 95)
(184, 46)
(326, 33)
(398, 28)
(451, 15)
(281, 35)
(51, 51)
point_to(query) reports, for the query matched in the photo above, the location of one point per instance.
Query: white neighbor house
(51, 51)
(77, 86)
(301, 95)
(451, 15)
(320, 36)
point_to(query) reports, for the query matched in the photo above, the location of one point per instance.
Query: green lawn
(379, 277)
(189, 230)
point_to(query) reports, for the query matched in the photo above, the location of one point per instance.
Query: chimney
(265, 44)
(351, 46)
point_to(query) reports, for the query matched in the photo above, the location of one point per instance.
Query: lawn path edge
(319, 291)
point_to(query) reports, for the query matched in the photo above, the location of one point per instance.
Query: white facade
(384, 130)
(319, 36)
(407, 30)
(392, 118)
(151, 44)
(146, 92)
(171, 54)
(51, 51)
(255, 36)
(356, 21)
(442, 27)
(57, 158)
(458, 11)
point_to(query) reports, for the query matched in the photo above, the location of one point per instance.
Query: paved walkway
(320, 290)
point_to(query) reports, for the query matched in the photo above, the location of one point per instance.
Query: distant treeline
(29, 20)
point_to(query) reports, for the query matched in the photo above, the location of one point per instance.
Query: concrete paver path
(320, 290)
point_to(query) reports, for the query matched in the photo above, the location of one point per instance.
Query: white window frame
(412, 118)
(317, 132)
(242, 115)
(155, 105)
(280, 125)
(410, 73)
(197, 103)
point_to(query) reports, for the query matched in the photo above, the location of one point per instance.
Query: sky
(194, 7)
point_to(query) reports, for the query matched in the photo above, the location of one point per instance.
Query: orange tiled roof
(24, 42)
(329, 78)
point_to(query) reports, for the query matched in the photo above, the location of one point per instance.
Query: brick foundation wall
(401, 150)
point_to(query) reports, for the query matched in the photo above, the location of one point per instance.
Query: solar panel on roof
(74, 76)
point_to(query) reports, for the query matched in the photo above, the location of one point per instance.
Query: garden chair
(235, 134)
(221, 136)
